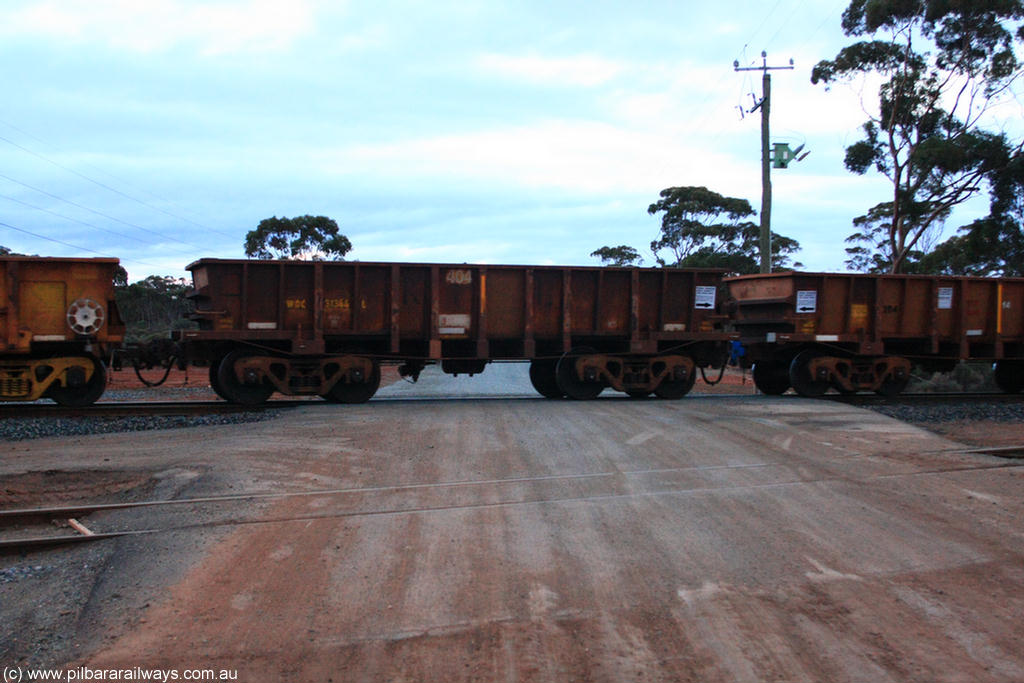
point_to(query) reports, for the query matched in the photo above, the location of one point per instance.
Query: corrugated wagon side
(857, 332)
(324, 328)
(59, 322)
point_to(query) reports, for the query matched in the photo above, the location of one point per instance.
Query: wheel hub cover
(85, 316)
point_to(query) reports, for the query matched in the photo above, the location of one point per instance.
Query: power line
(101, 184)
(702, 105)
(81, 222)
(764, 22)
(99, 213)
(73, 246)
(784, 24)
(824, 21)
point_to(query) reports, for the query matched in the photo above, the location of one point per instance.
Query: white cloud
(582, 156)
(155, 25)
(580, 70)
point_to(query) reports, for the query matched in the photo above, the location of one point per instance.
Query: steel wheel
(237, 392)
(214, 381)
(771, 378)
(570, 383)
(86, 394)
(892, 387)
(675, 389)
(355, 392)
(1009, 376)
(543, 377)
(800, 376)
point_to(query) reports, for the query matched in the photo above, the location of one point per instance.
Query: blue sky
(505, 132)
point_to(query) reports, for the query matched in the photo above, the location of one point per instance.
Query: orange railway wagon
(813, 331)
(324, 328)
(59, 323)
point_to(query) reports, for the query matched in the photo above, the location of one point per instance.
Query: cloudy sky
(161, 131)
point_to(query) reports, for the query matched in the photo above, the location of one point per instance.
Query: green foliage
(701, 228)
(924, 134)
(621, 255)
(871, 246)
(4, 251)
(154, 306)
(304, 237)
(965, 377)
(743, 256)
(992, 246)
(988, 247)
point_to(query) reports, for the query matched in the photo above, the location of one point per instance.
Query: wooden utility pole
(766, 161)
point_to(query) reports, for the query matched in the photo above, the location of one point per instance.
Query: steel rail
(23, 544)
(119, 408)
(915, 398)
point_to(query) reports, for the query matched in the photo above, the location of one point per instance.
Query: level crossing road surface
(709, 539)
(498, 380)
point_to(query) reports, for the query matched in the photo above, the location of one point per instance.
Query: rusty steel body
(867, 328)
(637, 325)
(57, 317)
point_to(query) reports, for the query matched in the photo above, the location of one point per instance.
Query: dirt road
(711, 539)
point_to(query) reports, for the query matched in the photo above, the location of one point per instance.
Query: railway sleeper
(28, 380)
(636, 374)
(881, 374)
(303, 376)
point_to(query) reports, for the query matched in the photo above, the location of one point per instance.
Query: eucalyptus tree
(702, 228)
(304, 237)
(943, 66)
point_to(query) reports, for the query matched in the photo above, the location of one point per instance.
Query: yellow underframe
(17, 374)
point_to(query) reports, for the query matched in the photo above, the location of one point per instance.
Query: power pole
(766, 163)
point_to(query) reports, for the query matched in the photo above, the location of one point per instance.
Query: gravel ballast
(19, 429)
(935, 413)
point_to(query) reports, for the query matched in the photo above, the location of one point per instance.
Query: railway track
(210, 407)
(31, 529)
(215, 407)
(924, 399)
(121, 409)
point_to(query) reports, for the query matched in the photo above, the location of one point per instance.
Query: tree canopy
(943, 65)
(154, 306)
(621, 255)
(315, 238)
(993, 245)
(701, 228)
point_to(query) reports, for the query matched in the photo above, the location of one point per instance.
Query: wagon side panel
(48, 300)
(338, 297)
(414, 322)
(548, 298)
(506, 304)
(1011, 310)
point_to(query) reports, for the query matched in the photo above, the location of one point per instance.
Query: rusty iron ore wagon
(59, 325)
(813, 331)
(325, 328)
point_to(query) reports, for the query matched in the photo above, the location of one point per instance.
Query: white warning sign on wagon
(945, 297)
(453, 323)
(806, 300)
(704, 298)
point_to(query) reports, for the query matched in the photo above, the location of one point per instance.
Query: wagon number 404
(459, 277)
